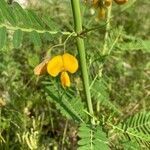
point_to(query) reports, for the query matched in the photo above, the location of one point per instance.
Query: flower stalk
(82, 56)
(105, 47)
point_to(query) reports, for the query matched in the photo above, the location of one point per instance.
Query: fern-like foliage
(100, 93)
(130, 145)
(133, 44)
(92, 138)
(138, 128)
(15, 18)
(135, 129)
(69, 105)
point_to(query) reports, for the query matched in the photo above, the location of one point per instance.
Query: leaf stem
(81, 49)
(14, 28)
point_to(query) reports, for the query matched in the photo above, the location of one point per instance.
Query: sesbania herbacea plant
(89, 75)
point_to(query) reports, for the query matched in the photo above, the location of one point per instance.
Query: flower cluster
(101, 6)
(59, 64)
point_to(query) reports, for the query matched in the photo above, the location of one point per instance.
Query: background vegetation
(31, 115)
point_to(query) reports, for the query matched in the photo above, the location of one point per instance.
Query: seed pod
(107, 3)
(120, 2)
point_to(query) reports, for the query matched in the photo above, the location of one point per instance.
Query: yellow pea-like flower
(62, 64)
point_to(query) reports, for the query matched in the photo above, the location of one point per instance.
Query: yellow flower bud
(101, 13)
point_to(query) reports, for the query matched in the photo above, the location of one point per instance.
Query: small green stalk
(105, 46)
(81, 49)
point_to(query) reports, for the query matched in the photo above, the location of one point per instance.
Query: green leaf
(21, 14)
(83, 134)
(35, 39)
(100, 93)
(131, 145)
(1, 17)
(17, 38)
(36, 23)
(2, 37)
(100, 139)
(36, 20)
(136, 128)
(7, 12)
(48, 37)
(83, 148)
(70, 107)
(84, 141)
(50, 23)
(92, 138)
(33, 59)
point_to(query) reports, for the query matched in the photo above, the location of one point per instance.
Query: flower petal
(55, 66)
(41, 68)
(65, 80)
(70, 63)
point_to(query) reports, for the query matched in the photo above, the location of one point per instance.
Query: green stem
(81, 49)
(105, 47)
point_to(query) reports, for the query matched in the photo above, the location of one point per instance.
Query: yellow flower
(101, 7)
(63, 64)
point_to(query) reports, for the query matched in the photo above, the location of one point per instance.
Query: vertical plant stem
(81, 49)
(105, 46)
(64, 134)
